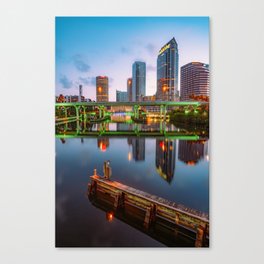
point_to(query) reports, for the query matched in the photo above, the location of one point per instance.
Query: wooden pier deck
(153, 206)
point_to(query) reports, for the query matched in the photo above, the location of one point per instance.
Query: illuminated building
(194, 80)
(103, 143)
(102, 89)
(121, 96)
(165, 158)
(138, 81)
(74, 98)
(190, 152)
(149, 98)
(129, 89)
(167, 72)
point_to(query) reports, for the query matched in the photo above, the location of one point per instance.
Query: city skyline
(81, 54)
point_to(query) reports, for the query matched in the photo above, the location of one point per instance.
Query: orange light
(100, 89)
(162, 145)
(129, 156)
(109, 216)
(191, 163)
(102, 147)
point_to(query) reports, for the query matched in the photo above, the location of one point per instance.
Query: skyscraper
(121, 96)
(102, 89)
(138, 80)
(129, 89)
(194, 80)
(80, 93)
(167, 72)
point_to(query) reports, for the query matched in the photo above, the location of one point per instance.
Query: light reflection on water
(177, 170)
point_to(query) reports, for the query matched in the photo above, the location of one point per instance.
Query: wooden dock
(153, 206)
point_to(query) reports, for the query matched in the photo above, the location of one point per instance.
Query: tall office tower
(138, 81)
(167, 72)
(194, 80)
(165, 158)
(102, 89)
(80, 93)
(121, 96)
(129, 89)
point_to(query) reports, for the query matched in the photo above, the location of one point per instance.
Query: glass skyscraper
(167, 72)
(121, 96)
(138, 81)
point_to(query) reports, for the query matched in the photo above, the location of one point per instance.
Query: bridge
(152, 208)
(163, 105)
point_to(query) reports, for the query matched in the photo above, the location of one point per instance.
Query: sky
(90, 46)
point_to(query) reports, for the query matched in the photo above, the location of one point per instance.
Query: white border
(27, 133)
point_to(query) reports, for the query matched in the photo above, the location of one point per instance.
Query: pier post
(200, 236)
(150, 216)
(119, 200)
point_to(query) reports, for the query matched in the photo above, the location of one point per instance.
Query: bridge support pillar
(77, 112)
(136, 111)
(101, 111)
(161, 111)
(164, 112)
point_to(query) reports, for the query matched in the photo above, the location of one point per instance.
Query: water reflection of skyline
(190, 152)
(165, 158)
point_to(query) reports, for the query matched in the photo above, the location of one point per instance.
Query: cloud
(88, 80)
(65, 82)
(151, 68)
(125, 50)
(150, 48)
(80, 64)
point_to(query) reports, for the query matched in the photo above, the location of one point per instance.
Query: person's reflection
(63, 140)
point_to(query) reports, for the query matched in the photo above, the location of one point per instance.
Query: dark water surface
(176, 170)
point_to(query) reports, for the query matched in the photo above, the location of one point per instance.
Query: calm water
(177, 170)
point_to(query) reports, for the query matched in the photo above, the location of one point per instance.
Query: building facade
(167, 72)
(121, 96)
(102, 93)
(138, 81)
(129, 89)
(194, 80)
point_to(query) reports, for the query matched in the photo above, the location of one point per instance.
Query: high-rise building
(80, 93)
(167, 72)
(138, 81)
(194, 80)
(129, 89)
(102, 89)
(121, 96)
(165, 158)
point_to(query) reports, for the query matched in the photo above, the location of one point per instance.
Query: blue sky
(90, 46)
